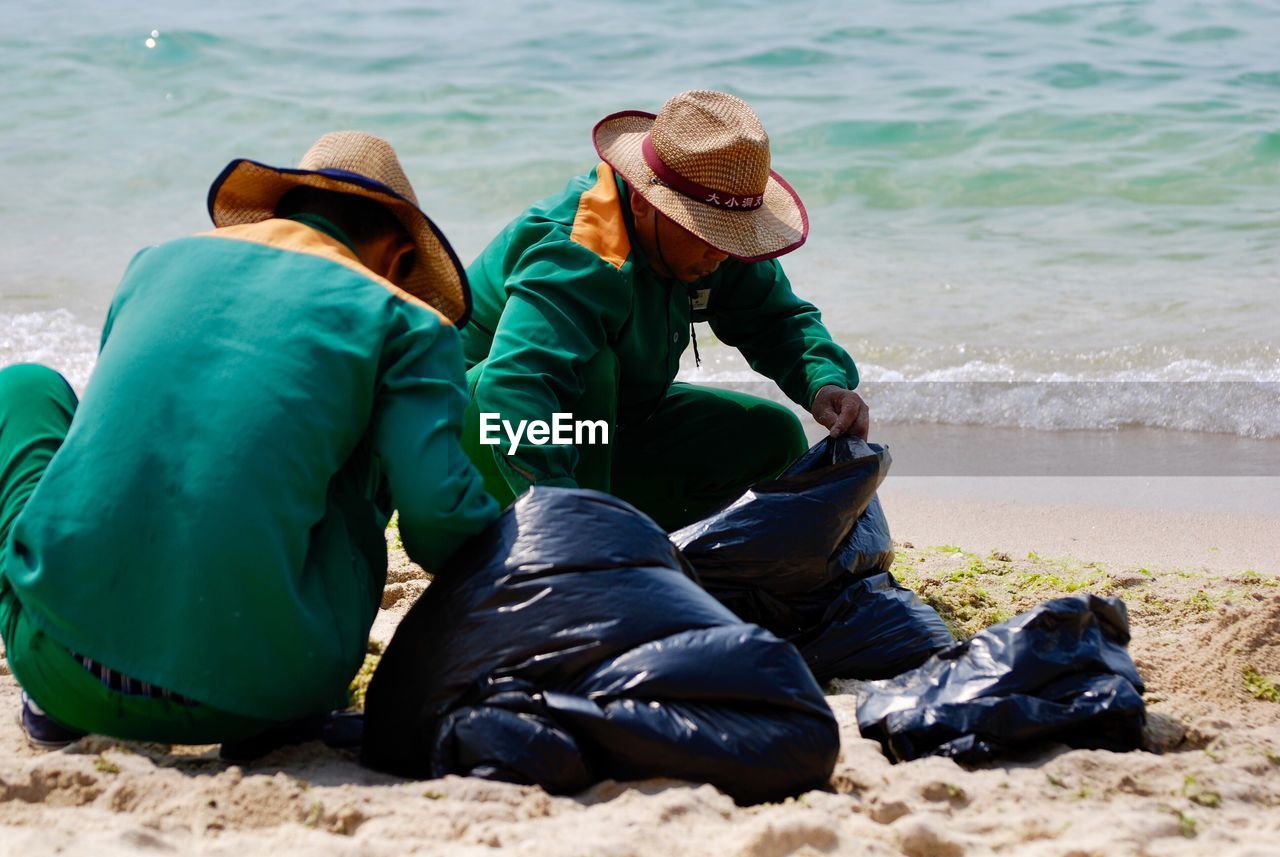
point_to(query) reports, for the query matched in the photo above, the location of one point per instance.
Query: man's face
(673, 251)
(687, 256)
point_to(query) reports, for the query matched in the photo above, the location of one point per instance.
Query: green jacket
(566, 280)
(213, 523)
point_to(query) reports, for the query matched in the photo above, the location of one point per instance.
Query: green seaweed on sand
(1200, 602)
(393, 532)
(315, 812)
(360, 684)
(1251, 577)
(1187, 825)
(972, 592)
(1199, 795)
(1260, 685)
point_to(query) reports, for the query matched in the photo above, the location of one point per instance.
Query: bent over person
(584, 304)
(194, 552)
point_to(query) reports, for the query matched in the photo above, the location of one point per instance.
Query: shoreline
(1139, 524)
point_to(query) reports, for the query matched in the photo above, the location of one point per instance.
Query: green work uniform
(571, 318)
(212, 523)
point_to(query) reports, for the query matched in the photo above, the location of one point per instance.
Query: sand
(1206, 638)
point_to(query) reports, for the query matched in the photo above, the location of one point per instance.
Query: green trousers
(700, 449)
(36, 408)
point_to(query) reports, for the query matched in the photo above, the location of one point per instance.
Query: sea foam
(53, 338)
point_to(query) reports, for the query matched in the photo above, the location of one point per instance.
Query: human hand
(842, 411)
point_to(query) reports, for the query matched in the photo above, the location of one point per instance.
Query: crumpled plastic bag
(794, 534)
(1059, 672)
(806, 556)
(568, 644)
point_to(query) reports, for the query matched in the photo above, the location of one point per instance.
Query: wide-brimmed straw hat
(360, 164)
(703, 161)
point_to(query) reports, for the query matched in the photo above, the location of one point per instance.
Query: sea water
(1033, 215)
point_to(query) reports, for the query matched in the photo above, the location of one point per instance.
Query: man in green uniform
(194, 552)
(585, 302)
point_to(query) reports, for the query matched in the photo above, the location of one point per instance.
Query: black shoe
(339, 731)
(42, 730)
(285, 734)
(343, 730)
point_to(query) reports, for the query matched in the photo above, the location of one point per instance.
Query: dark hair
(363, 219)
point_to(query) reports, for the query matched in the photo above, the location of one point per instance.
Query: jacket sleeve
(562, 301)
(416, 435)
(780, 335)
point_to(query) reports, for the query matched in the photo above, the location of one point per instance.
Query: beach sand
(1206, 637)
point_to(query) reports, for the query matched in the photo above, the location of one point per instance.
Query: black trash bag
(1060, 672)
(874, 628)
(568, 644)
(806, 556)
(796, 534)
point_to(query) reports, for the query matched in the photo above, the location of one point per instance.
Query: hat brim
(778, 226)
(248, 192)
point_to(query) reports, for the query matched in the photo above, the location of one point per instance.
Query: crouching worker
(194, 552)
(585, 303)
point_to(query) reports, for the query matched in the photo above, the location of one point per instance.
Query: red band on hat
(693, 190)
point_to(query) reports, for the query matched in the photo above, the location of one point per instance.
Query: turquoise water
(1009, 192)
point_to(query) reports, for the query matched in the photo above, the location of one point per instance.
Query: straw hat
(363, 165)
(703, 161)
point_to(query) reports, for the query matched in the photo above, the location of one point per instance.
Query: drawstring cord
(693, 333)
